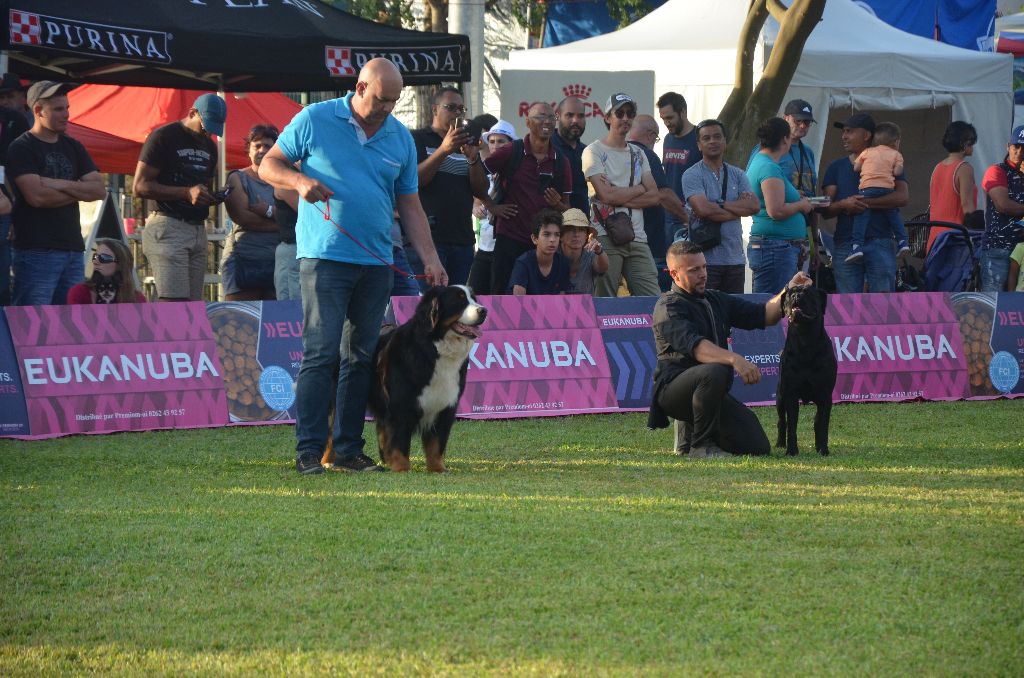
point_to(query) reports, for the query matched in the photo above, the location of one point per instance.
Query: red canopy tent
(113, 122)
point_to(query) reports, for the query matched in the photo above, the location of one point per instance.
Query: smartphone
(220, 195)
(545, 181)
(472, 129)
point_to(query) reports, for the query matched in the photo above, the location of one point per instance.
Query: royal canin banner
(92, 369)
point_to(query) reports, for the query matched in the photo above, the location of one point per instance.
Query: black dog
(808, 368)
(421, 374)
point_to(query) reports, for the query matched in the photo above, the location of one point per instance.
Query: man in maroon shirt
(532, 185)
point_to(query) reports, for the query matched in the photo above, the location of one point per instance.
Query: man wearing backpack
(531, 175)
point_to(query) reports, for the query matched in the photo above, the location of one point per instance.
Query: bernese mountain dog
(420, 374)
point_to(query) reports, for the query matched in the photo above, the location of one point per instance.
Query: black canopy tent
(230, 45)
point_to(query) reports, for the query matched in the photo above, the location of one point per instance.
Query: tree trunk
(436, 22)
(748, 106)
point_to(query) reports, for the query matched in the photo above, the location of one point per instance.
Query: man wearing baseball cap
(176, 168)
(1003, 183)
(51, 173)
(621, 182)
(799, 165)
(877, 268)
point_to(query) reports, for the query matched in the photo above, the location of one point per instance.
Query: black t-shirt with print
(56, 228)
(448, 198)
(184, 158)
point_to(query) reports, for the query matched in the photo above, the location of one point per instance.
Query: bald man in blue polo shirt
(358, 163)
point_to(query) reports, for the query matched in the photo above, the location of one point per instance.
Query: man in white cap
(176, 169)
(51, 173)
(621, 181)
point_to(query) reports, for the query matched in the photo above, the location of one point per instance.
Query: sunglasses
(454, 108)
(625, 113)
(100, 258)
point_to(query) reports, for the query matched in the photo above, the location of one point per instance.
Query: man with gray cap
(877, 268)
(621, 181)
(50, 173)
(176, 169)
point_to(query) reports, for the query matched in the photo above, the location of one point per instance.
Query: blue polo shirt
(847, 182)
(364, 174)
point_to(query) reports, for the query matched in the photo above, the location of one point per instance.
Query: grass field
(572, 546)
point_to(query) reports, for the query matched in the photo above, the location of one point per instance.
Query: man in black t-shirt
(51, 173)
(450, 175)
(12, 126)
(176, 170)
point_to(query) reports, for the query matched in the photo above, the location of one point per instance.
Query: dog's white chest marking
(442, 391)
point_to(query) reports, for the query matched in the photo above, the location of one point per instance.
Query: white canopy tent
(852, 60)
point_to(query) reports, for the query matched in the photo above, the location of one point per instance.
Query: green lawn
(561, 546)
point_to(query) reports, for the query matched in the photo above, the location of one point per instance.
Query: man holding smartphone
(176, 169)
(450, 175)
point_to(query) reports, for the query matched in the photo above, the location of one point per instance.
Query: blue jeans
(286, 272)
(45, 276)
(892, 215)
(995, 267)
(456, 259)
(772, 263)
(403, 286)
(5, 260)
(877, 267)
(342, 308)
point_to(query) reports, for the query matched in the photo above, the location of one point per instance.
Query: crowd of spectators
(500, 208)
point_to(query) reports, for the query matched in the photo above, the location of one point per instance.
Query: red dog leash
(327, 217)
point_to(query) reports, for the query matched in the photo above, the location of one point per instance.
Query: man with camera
(450, 175)
(718, 195)
(176, 170)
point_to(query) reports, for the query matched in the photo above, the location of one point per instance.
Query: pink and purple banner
(131, 367)
(538, 356)
(93, 369)
(897, 347)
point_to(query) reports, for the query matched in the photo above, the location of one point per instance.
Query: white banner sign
(519, 89)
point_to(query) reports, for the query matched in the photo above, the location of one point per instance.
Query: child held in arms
(878, 166)
(544, 270)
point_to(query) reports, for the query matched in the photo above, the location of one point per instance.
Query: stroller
(951, 265)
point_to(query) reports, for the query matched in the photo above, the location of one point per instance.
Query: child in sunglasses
(113, 279)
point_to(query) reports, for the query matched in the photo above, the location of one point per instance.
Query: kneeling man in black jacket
(695, 365)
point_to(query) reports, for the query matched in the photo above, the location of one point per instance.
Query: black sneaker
(308, 464)
(360, 463)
